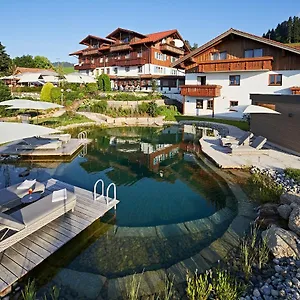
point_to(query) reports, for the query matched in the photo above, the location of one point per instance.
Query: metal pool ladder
(102, 196)
(82, 135)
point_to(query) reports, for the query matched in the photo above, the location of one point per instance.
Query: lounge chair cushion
(7, 221)
(11, 196)
(259, 142)
(59, 195)
(27, 184)
(245, 139)
(41, 209)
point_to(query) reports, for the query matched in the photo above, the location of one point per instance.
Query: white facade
(251, 82)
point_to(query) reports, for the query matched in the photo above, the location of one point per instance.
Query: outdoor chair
(37, 143)
(65, 137)
(244, 140)
(10, 197)
(21, 223)
(254, 148)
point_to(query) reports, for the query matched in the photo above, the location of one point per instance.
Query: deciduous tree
(42, 62)
(25, 61)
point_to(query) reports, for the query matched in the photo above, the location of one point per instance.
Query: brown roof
(124, 30)
(20, 70)
(76, 52)
(239, 33)
(154, 37)
(83, 42)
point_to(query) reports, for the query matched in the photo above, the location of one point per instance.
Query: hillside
(286, 32)
(63, 64)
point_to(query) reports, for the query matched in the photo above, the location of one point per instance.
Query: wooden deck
(22, 257)
(67, 150)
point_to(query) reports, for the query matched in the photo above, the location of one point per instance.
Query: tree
(42, 62)
(92, 87)
(152, 109)
(296, 30)
(5, 61)
(5, 93)
(104, 83)
(46, 92)
(195, 45)
(25, 61)
(290, 30)
(55, 95)
(154, 85)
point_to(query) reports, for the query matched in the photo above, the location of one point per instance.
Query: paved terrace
(274, 159)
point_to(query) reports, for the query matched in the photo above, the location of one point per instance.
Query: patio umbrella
(10, 131)
(253, 109)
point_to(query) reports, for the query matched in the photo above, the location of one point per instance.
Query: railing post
(95, 189)
(107, 192)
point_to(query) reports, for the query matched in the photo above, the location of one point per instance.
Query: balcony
(239, 64)
(201, 90)
(90, 52)
(295, 90)
(88, 66)
(120, 47)
(129, 62)
(171, 48)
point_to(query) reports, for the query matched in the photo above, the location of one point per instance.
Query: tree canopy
(28, 61)
(5, 93)
(195, 45)
(42, 62)
(285, 32)
(5, 61)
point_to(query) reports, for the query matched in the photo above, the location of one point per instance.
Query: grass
(170, 112)
(199, 287)
(68, 70)
(293, 173)
(240, 124)
(263, 189)
(66, 119)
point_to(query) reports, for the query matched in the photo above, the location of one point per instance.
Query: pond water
(159, 183)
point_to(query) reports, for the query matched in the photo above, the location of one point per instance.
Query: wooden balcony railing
(171, 48)
(120, 47)
(129, 62)
(85, 67)
(201, 90)
(239, 64)
(90, 52)
(295, 90)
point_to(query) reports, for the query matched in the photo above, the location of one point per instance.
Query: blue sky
(54, 28)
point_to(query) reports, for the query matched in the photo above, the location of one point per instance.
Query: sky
(54, 28)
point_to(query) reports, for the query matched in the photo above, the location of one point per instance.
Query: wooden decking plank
(77, 219)
(35, 247)
(3, 284)
(21, 260)
(6, 275)
(83, 208)
(73, 223)
(55, 234)
(61, 230)
(36, 238)
(12, 266)
(83, 213)
(67, 226)
(31, 255)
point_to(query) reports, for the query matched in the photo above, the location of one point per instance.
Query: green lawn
(68, 70)
(240, 124)
(65, 119)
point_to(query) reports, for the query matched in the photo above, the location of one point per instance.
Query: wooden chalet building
(132, 59)
(223, 72)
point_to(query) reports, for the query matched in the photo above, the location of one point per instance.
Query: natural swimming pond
(167, 199)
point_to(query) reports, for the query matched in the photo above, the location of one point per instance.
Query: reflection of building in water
(153, 155)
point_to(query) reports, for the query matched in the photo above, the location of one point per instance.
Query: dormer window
(126, 40)
(253, 53)
(219, 55)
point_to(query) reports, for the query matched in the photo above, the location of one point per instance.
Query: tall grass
(293, 173)
(29, 292)
(199, 287)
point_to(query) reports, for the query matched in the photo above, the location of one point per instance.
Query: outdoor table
(29, 198)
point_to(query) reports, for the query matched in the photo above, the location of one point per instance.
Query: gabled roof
(86, 39)
(76, 52)
(21, 70)
(154, 37)
(111, 35)
(238, 33)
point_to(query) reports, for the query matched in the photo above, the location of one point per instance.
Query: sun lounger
(23, 222)
(10, 197)
(255, 147)
(65, 138)
(244, 140)
(38, 144)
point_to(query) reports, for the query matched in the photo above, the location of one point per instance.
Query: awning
(10, 132)
(253, 109)
(29, 104)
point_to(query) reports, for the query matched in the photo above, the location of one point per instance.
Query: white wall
(250, 83)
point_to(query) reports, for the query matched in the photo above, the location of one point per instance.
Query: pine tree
(290, 30)
(296, 30)
(5, 61)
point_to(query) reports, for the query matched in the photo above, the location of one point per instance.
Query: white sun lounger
(38, 144)
(254, 148)
(65, 137)
(23, 222)
(244, 140)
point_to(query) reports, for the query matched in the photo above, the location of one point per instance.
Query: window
(127, 55)
(173, 72)
(158, 69)
(101, 59)
(126, 40)
(275, 79)
(234, 79)
(219, 55)
(173, 59)
(199, 103)
(107, 71)
(160, 56)
(140, 53)
(210, 104)
(253, 53)
(234, 103)
(116, 70)
(127, 69)
(102, 71)
(201, 80)
(140, 69)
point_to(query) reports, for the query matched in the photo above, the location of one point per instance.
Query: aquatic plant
(29, 292)
(132, 289)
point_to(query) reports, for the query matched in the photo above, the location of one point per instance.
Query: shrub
(91, 87)
(99, 106)
(199, 287)
(262, 188)
(5, 93)
(56, 95)
(46, 91)
(293, 173)
(103, 82)
(71, 96)
(143, 108)
(71, 86)
(27, 89)
(152, 109)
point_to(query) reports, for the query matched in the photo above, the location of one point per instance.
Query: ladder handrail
(95, 189)
(82, 135)
(107, 192)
